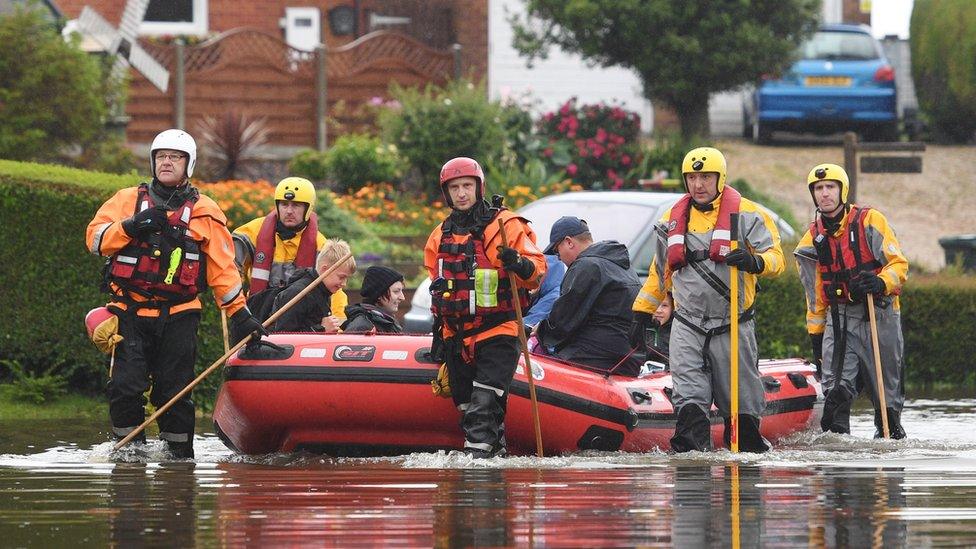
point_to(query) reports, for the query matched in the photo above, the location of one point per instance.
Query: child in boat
(382, 293)
(314, 313)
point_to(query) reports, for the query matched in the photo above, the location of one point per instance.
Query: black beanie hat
(377, 281)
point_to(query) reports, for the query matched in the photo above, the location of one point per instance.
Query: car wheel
(761, 133)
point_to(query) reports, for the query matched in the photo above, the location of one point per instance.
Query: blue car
(841, 82)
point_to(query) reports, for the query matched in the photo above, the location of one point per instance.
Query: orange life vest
(265, 247)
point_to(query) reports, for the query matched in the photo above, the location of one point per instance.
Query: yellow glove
(439, 384)
(103, 329)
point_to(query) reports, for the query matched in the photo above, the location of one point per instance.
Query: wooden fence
(255, 73)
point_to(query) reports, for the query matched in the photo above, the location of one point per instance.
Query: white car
(627, 217)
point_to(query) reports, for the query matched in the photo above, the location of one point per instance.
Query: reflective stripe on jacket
(208, 227)
(282, 261)
(879, 242)
(700, 289)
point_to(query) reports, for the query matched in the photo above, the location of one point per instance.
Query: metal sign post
(879, 163)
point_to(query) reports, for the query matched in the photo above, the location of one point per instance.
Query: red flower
(601, 135)
(625, 160)
(547, 152)
(571, 169)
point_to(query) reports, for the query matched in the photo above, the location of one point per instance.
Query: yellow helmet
(705, 159)
(297, 189)
(829, 172)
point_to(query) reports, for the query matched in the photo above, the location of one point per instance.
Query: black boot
(750, 439)
(480, 423)
(837, 411)
(180, 450)
(894, 425)
(692, 430)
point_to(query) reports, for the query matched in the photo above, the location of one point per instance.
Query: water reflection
(152, 506)
(816, 490)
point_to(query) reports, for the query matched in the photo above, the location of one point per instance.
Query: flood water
(61, 486)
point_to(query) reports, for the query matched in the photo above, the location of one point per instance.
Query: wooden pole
(850, 164)
(734, 336)
(179, 93)
(877, 367)
(271, 320)
(321, 99)
(223, 325)
(525, 350)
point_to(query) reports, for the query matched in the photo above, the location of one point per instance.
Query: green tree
(943, 49)
(52, 94)
(683, 51)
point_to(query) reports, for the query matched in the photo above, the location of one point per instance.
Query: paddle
(525, 350)
(877, 367)
(271, 320)
(734, 334)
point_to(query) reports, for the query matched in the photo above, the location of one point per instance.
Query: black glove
(638, 330)
(150, 220)
(744, 260)
(816, 343)
(243, 325)
(512, 261)
(867, 283)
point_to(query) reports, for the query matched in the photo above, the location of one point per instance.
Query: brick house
(274, 78)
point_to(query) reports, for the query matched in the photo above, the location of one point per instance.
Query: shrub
(604, 142)
(229, 143)
(52, 94)
(433, 125)
(37, 389)
(943, 47)
(310, 164)
(355, 160)
(241, 201)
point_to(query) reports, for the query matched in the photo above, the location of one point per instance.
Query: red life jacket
(721, 234)
(265, 247)
(167, 264)
(839, 260)
(456, 296)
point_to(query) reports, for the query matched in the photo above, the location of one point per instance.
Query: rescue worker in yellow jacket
(165, 244)
(849, 252)
(692, 260)
(269, 249)
(475, 330)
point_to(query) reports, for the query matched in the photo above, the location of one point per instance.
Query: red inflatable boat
(371, 395)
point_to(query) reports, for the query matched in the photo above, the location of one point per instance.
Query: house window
(175, 17)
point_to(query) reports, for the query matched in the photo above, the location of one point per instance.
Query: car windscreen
(835, 46)
(607, 220)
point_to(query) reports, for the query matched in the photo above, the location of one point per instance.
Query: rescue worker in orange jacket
(849, 252)
(475, 330)
(165, 244)
(269, 249)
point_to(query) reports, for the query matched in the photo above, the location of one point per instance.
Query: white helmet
(177, 140)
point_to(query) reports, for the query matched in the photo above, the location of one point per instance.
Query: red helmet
(462, 167)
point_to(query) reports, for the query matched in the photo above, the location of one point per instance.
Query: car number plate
(835, 81)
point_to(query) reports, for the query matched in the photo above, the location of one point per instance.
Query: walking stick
(525, 350)
(223, 325)
(877, 367)
(271, 320)
(734, 336)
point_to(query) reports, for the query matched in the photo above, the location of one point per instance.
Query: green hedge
(937, 314)
(51, 281)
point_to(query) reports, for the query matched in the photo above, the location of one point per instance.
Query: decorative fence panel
(252, 72)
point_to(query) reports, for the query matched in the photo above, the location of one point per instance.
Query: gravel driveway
(921, 207)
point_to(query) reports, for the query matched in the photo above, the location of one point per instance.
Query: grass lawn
(66, 407)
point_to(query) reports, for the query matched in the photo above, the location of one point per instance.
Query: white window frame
(198, 27)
